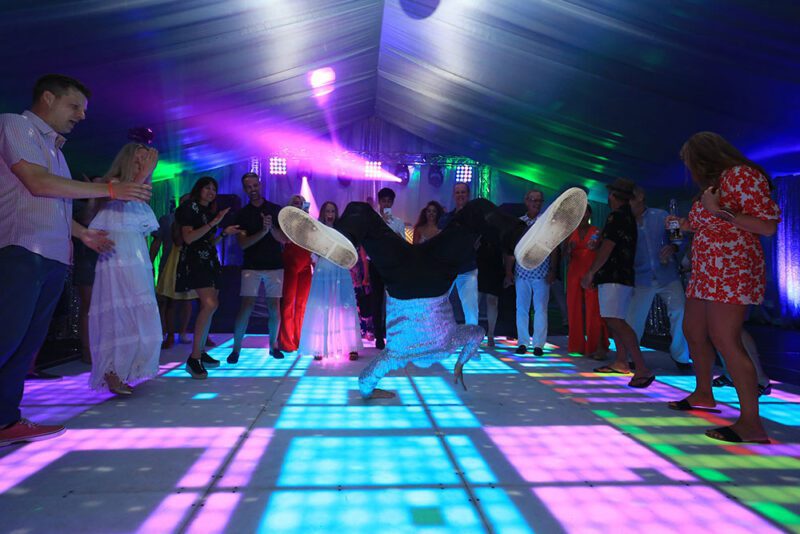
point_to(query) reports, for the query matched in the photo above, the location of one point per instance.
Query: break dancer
(420, 323)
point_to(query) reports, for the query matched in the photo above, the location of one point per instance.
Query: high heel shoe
(116, 385)
(458, 371)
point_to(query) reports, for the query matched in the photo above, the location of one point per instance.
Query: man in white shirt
(36, 192)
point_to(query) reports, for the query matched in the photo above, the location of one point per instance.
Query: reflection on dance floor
(535, 443)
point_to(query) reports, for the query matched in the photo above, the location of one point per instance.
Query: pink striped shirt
(39, 224)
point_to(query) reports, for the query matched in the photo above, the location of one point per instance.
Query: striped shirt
(539, 272)
(39, 224)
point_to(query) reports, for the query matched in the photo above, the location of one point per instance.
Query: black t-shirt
(265, 254)
(621, 229)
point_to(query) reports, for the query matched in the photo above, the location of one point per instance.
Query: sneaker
(276, 353)
(208, 361)
(522, 349)
(24, 430)
(233, 358)
(551, 228)
(195, 368)
(537, 351)
(312, 235)
(380, 344)
(353, 356)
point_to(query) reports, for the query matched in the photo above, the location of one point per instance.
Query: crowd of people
(613, 273)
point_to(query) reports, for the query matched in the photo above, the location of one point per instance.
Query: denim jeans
(30, 286)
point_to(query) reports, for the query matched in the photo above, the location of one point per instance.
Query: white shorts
(615, 299)
(251, 280)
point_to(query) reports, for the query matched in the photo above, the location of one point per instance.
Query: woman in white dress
(331, 327)
(124, 327)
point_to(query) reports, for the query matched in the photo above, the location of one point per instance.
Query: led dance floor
(277, 446)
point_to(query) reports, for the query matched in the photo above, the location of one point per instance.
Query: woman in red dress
(728, 273)
(587, 331)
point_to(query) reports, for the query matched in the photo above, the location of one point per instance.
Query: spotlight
(141, 134)
(435, 176)
(372, 169)
(277, 166)
(321, 81)
(402, 173)
(255, 166)
(464, 174)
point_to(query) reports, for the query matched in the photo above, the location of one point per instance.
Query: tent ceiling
(545, 89)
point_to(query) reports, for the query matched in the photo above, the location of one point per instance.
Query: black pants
(378, 301)
(428, 269)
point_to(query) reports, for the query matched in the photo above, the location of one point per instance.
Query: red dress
(583, 338)
(728, 262)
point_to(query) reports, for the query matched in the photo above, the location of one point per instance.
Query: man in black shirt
(261, 242)
(613, 273)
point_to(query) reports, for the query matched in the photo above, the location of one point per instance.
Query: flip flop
(684, 406)
(641, 382)
(728, 434)
(607, 369)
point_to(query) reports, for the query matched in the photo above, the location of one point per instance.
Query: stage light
(321, 81)
(372, 169)
(435, 176)
(277, 166)
(255, 166)
(402, 173)
(464, 174)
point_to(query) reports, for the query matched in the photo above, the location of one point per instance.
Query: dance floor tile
(290, 446)
(398, 511)
(636, 509)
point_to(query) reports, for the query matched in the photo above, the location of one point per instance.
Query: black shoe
(195, 368)
(683, 366)
(42, 375)
(208, 361)
(522, 349)
(380, 344)
(537, 351)
(764, 390)
(276, 353)
(721, 381)
(233, 358)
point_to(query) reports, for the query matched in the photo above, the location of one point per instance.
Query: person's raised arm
(42, 183)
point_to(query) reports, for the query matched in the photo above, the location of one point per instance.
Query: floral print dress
(198, 265)
(728, 262)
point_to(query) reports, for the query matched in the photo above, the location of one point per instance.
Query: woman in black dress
(199, 267)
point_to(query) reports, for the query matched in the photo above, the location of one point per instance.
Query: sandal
(684, 406)
(608, 370)
(641, 382)
(353, 356)
(721, 381)
(726, 433)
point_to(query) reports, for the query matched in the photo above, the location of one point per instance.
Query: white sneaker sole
(311, 234)
(551, 228)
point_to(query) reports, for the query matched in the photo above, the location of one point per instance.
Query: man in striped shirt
(35, 229)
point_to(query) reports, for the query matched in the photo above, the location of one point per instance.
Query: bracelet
(725, 215)
(111, 191)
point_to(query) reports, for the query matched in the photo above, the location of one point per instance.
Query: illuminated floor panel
(638, 509)
(398, 511)
(535, 443)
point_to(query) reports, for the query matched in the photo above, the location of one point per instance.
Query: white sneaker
(311, 234)
(551, 228)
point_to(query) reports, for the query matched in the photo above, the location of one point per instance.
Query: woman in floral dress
(728, 273)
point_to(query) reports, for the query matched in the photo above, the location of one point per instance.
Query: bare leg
(186, 315)
(725, 329)
(695, 328)
(621, 361)
(469, 338)
(168, 321)
(208, 306)
(624, 334)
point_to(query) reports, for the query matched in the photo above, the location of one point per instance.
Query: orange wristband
(111, 191)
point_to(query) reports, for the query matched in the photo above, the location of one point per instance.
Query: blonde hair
(121, 168)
